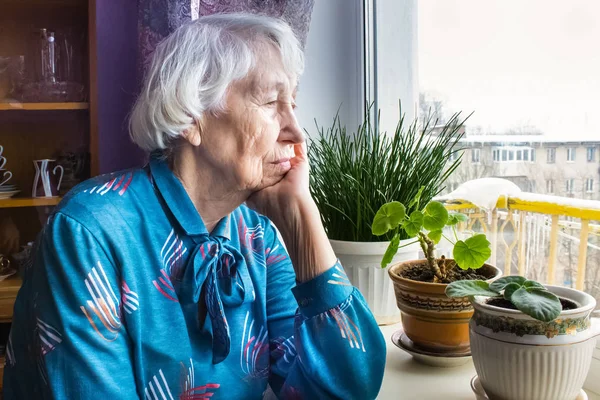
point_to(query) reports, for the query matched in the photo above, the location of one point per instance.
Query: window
(570, 154)
(454, 156)
(532, 186)
(532, 155)
(496, 155)
(589, 185)
(570, 185)
(550, 186)
(526, 155)
(504, 155)
(519, 155)
(475, 156)
(551, 155)
(511, 155)
(591, 154)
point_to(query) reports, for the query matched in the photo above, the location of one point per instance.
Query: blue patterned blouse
(131, 297)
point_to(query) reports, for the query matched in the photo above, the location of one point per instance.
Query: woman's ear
(193, 135)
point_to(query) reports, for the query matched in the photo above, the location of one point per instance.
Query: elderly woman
(171, 281)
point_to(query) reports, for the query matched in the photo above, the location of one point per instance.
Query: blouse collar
(180, 204)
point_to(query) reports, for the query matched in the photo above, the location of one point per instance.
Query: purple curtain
(158, 18)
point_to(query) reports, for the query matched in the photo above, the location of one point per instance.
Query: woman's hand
(275, 201)
(290, 206)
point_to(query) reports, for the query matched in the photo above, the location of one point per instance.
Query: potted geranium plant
(529, 340)
(432, 321)
(353, 174)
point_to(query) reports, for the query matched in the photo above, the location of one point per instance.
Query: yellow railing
(536, 236)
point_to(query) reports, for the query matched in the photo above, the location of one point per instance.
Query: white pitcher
(44, 183)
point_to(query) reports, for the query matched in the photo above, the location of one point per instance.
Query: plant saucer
(481, 395)
(445, 360)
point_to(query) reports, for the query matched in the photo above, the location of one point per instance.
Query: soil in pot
(503, 303)
(422, 273)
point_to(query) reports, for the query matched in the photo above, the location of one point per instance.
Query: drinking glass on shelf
(57, 64)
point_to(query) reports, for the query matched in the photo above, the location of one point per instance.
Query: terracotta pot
(430, 319)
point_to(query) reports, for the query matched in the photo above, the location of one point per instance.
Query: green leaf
(455, 218)
(391, 251)
(435, 217)
(499, 284)
(415, 201)
(510, 289)
(414, 224)
(469, 288)
(533, 284)
(389, 216)
(537, 303)
(436, 235)
(473, 252)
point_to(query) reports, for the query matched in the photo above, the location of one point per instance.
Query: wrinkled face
(251, 143)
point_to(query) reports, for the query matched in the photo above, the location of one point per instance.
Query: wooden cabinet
(95, 125)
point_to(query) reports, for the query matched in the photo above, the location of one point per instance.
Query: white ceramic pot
(362, 262)
(518, 357)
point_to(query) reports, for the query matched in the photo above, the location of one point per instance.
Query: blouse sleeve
(78, 346)
(324, 341)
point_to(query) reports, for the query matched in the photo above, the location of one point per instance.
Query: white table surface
(406, 379)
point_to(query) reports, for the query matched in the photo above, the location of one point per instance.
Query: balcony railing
(551, 239)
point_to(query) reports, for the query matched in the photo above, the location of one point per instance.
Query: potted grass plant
(528, 340)
(354, 173)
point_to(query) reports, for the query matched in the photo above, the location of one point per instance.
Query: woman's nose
(290, 129)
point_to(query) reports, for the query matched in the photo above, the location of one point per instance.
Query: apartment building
(562, 167)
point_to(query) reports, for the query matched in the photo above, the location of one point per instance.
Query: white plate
(8, 195)
(481, 395)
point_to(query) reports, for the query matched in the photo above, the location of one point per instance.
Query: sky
(516, 63)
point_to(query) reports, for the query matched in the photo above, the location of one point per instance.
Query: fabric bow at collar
(216, 274)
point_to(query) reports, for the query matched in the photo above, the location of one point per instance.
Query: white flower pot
(362, 262)
(517, 357)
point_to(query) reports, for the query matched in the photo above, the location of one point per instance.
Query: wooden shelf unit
(16, 106)
(8, 293)
(29, 202)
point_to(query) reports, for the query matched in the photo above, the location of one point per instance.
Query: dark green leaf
(499, 284)
(537, 303)
(435, 217)
(455, 218)
(533, 284)
(414, 224)
(436, 235)
(473, 252)
(389, 216)
(510, 289)
(469, 288)
(391, 251)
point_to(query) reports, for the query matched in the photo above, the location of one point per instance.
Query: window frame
(476, 160)
(570, 186)
(551, 159)
(591, 154)
(571, 154)
(550, 187)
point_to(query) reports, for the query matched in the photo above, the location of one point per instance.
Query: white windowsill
(406, 379)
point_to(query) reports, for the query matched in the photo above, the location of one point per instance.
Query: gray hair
(193, 67)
